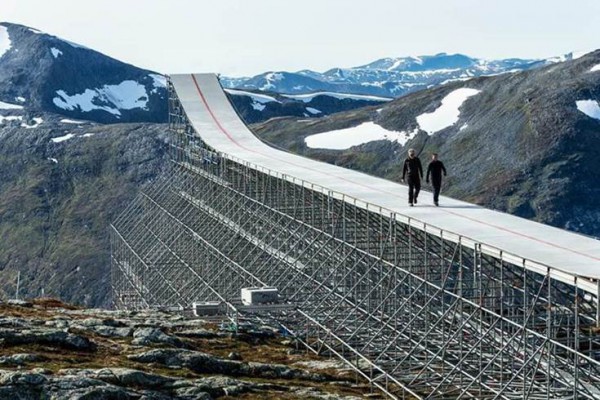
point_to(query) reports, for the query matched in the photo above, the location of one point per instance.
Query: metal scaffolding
(417, 311)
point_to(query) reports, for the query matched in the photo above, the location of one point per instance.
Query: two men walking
(414, 171)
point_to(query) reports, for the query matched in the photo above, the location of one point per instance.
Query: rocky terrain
(523, 142)
(52, 351)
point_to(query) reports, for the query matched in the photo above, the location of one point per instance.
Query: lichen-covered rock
(50, 337)
(206, 363)
(19, 359)
(123, 377)
(109, 331)
(147, 336)
(140, 371)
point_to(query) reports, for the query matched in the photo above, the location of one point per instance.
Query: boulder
(123, 377)
(148, 336)
(206, 363)
(109, 331)
(19, 359)
(51, 337)
(20, 303)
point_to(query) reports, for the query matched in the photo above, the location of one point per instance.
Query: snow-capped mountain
(387, 77)
(43, 73)
(260, 106)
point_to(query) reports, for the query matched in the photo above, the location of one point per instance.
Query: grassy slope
(54, 216)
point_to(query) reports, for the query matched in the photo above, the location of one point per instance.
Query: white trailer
(259, 295)
(206, 308)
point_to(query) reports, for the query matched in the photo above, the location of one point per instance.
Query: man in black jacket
(414, 170)
(435, 168)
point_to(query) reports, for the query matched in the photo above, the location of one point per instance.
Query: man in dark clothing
(435, 168)
(414, 170)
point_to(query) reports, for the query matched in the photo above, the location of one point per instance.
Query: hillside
(523, 142)
(60, 186)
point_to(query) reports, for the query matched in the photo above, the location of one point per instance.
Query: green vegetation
(54, 216)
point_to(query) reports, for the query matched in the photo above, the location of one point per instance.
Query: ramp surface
(214, 118)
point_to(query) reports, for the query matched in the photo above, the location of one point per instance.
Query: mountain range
(43, 73)
(389, 77)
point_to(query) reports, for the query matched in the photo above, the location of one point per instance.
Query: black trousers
(414, 187)
(437, 186)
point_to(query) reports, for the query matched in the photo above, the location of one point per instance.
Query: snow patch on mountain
(310, 96)
(72, 121)
(61, 139)
(366, 132)
(5, 43)
(56, 52)
(447, 114)
(7, 106)
(36, 122)
(272, 78)
(591, 108)
(110, 98)
(313, 111)
(10, 118)
(159, 82)
(258, 100)
(595, 68)
(256, 97)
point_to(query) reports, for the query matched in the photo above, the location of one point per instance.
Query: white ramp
(542, 246)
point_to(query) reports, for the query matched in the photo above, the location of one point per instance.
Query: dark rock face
(520, 145)
(57, 76)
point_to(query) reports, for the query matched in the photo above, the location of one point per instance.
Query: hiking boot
(436, 203)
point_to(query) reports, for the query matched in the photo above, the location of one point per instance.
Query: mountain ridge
(390, 76)
(44, 73)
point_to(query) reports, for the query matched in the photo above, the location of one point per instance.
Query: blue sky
(246, 37)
